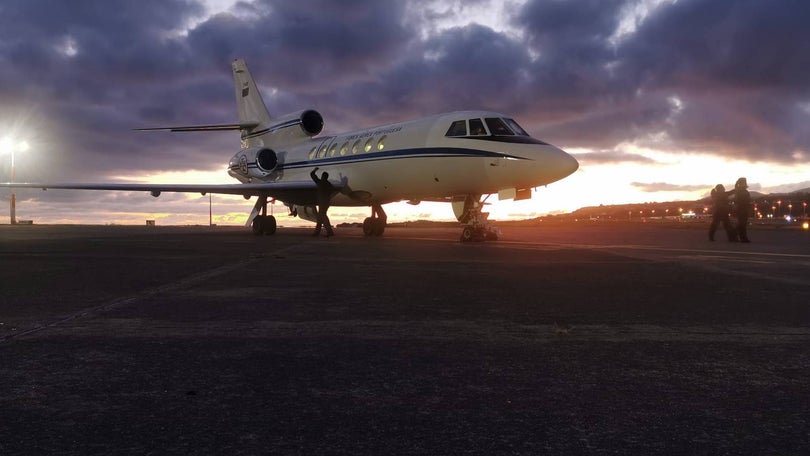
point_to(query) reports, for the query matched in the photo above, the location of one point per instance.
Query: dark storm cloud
(469, 67)
(709, 44)
(570, 39)
(99, 69)
(115, 40)
(314, 48)
(704, 75)
(87, 66)
(738, 70)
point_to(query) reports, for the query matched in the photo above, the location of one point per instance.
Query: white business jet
(459, 157)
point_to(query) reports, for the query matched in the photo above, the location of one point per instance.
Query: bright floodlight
(5, 145)
(10, 145)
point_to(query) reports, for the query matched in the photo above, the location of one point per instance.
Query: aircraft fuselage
(416, 160)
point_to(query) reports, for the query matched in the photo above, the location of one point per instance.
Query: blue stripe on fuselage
(434, 152)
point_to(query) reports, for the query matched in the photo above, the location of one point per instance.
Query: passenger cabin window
(344, 148)
(497, 127)
(381, 143)
(332, 150)
(458, 128)
(477, 128)
(356, 147)
(312, 152)
(322, 152)
(367, 147)
(515, 127)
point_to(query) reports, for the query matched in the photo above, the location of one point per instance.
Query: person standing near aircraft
(325, 192)
(742, 204)
(720, 213)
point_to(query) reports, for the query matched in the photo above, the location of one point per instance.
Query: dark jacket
(742, 202)
(720, 198)
(325, 189)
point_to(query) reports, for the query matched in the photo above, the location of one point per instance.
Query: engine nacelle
(293, 127)
(311, 122)
(253, 162)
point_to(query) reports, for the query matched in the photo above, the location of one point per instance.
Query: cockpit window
(497, 127)
(515, 127)
(477, 128)
(458, 128)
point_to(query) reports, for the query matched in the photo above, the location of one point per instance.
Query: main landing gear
(477, 228)
(263, 223)
(375, 225)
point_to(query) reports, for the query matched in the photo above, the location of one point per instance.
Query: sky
(659, 100)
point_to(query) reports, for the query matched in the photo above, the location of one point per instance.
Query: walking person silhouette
(720, 213)
(742, 207)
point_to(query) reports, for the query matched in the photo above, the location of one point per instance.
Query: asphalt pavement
(557, 339)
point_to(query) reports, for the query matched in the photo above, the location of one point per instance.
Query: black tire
(257, 225)
(368, 226)
(378, 227)
(269, 225)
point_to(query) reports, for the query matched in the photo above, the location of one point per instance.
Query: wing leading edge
(302, 192)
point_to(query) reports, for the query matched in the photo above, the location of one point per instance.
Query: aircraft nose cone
(564, 163)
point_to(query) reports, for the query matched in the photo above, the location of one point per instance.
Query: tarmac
(611, 338)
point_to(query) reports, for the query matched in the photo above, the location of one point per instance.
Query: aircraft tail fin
(255, 124)
(252, 109)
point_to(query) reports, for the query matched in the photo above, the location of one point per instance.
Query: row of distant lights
(344, 149)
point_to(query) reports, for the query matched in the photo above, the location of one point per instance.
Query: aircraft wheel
(368, 226)
(378, 227)
(467, 234)
(257, 225)
(269, 225)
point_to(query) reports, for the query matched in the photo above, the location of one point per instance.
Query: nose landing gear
(477, 228)
(482, 233)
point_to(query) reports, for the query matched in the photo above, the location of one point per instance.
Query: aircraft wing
(302, 192)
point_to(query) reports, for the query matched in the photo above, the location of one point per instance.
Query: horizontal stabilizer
(220, 127)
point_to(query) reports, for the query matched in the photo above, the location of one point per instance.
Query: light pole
(11, 146)
(13, 214)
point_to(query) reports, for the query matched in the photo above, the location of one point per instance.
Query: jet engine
(311, 122)
(293, 127)
(254, 162)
